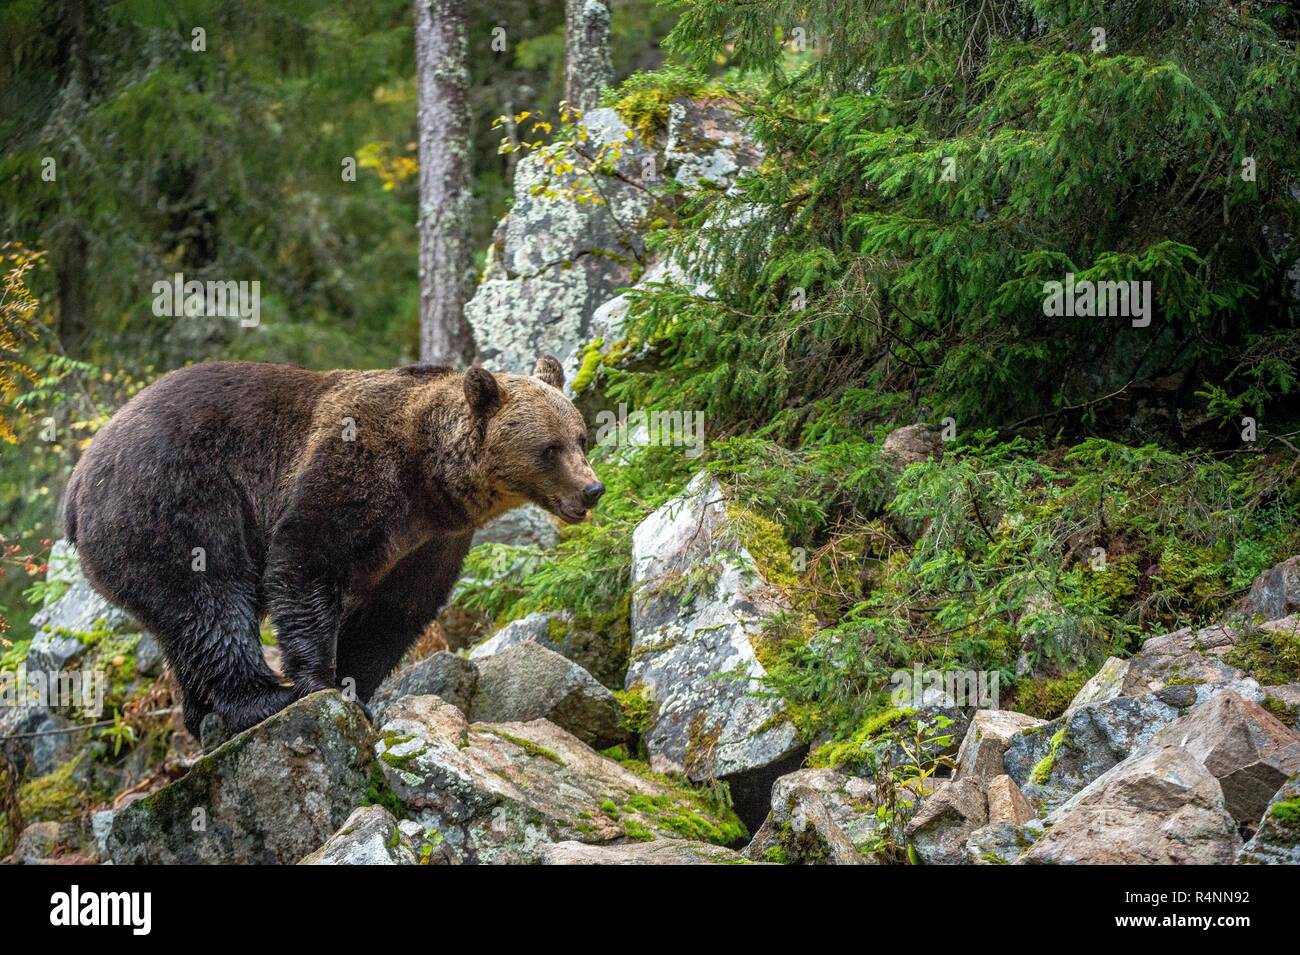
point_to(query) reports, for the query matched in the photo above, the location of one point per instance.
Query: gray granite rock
(697, 601)
(445, 675)
(529, 682)
(504, 792)
(272, 794)
(370, 836)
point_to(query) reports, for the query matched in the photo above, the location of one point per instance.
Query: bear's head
(534, 441)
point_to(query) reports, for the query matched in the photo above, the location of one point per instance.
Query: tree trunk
(587, 68)
(446, 265)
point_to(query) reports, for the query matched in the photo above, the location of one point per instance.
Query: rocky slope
(550, 744)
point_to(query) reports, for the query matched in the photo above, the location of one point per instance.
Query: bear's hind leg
(220, 666)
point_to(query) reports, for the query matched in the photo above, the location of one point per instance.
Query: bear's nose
(591, 493)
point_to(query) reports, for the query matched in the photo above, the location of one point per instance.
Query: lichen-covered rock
(529, 682)
(818, 817)
(697, 600)
(1052, 762)
(654, 852)
(1277, 839)
(556, 259)
(1243, 746)
(444, 675)
(985, 744)
(1160, 806)
(72, 610)
(946, 819)
(271, 794)
(1001, 843)
(503, 792)
(707, 142)
(369, 837)
(1276, 592)
(603, 655)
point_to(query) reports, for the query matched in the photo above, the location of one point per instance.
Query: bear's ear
(549, 370)
(482, 393)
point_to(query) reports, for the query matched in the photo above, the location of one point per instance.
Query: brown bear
(339, 503)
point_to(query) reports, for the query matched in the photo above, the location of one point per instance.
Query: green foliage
(1114, 163)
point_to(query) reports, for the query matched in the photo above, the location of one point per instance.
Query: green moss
(683, 819)
(702, 813)
(776, 854)
(609, 808)
(1270, 656)
(638, 708)
(589, 365)
(852, 752)
(1286, 813)
(527, 745)
(1042, 771)
(638, 832)
(765, 542)
(1048, 697)
(379, 793)
(56, 796)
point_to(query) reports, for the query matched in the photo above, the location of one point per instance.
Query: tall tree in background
(588, 68)
(442, 83)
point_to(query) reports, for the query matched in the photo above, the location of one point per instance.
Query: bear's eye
(550, 453)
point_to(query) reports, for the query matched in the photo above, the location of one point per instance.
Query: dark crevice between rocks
(751, 792)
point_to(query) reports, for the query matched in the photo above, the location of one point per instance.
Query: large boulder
(574, 237)
(271, 794)
(503, 792)
(454, 679)
(1243, 746)
(818, 816)
(554, 259)
(697, 602)
(1161, 806)
(1277, 839)
(369, 837)
(1054, 761)
(529, 682)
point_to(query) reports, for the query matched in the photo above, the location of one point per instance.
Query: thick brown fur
(350, 546)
